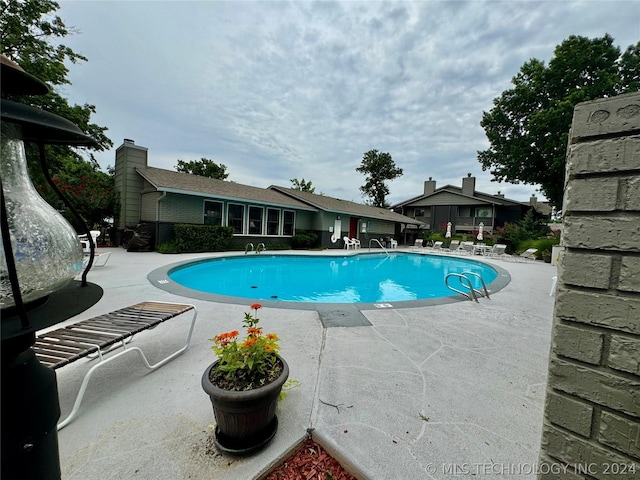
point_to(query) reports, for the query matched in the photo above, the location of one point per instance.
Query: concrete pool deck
(423, 392)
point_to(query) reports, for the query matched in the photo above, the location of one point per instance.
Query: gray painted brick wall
(592, 411)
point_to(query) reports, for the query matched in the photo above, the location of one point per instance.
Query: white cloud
(280, 90)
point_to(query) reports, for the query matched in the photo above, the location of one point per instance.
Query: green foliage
(434, 237)
(168, 247)
(515, 235)
(378, 168)
(30, 34)
(541, 244)
(201, 238)
(247, 364)
(528, 126)
(302, 185)
(304, 241)
(203, 168)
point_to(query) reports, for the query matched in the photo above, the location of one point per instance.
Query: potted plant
(546, 256)
(244, 384)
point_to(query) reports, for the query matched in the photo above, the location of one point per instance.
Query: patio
(425, 392)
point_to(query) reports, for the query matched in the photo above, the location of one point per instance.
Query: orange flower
(250, 342)
(272, 336)
(254, 331)
(255, 306)
(227, 336)
(268, 347)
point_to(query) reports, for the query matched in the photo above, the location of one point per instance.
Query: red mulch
(310, 462)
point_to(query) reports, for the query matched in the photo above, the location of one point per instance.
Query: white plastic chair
(84, 241)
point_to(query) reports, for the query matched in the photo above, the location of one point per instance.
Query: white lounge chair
(418, 244)
(498, 250)
(394, 243)
(529, 254)
(466, 248)
(453, 247)
(99, 260)
(437, 245)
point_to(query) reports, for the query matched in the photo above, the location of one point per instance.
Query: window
(273, 221)
(419, 212)
(235, 217)
(483, 212)
(212, 213)
(289, 223)
(255, 220)
(464, 211)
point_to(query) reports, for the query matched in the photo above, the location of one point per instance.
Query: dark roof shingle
(186, 183)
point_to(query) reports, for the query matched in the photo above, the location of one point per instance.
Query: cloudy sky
(278, 90)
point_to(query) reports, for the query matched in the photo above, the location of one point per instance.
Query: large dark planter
(246, 421)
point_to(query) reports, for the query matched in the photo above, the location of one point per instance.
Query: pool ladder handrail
(381, 246)
(473, 293)
(246, 247)
(263, 249)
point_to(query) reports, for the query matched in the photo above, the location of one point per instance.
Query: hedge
(201, 238)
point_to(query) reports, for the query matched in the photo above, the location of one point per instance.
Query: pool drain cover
(343, 317)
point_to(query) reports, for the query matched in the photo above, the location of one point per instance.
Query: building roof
(189, 184)
(479, 196)
(331, 204)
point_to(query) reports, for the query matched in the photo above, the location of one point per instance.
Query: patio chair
(437, 245)
(529, 254)
(498, 250)
(466, 248)
(394, 243)
(453, 247)
(418, 243)
(348, 244)
(99, 259)
(355, 242)
(84, 241)
(98, 335)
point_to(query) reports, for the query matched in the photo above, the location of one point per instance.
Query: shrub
(520, 235)
(202, 238)
(304, 240)
(168, 247)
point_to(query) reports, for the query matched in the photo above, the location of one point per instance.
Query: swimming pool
(362, 278)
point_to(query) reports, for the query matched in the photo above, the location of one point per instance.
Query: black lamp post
(40, 257)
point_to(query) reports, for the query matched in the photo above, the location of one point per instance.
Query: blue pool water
(329, 279)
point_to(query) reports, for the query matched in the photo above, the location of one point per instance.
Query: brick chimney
(429, 186)
(533, 201)
(469, 185)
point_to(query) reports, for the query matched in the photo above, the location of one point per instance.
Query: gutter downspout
(164, 194)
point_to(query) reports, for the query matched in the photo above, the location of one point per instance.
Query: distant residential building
(464, 207)
(162, 198)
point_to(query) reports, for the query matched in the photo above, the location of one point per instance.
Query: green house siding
(149, 206)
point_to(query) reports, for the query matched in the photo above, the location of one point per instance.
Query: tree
(204, 168)
(528, 126)
(29, 35)
(91, 193)
(302, 185)
(378, 168)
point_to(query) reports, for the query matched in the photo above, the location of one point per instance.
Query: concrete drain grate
(343, 317)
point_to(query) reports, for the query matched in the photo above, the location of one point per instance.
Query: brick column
(592, 412)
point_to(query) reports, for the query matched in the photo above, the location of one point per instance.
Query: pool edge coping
(159, 278)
